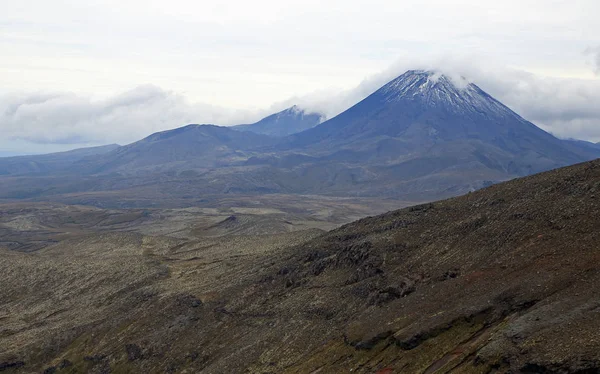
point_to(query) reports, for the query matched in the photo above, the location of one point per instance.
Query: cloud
(563, 106)
(595, 53)
(67, 118)
(566, 107)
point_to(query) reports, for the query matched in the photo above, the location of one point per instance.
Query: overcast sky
(88, 72)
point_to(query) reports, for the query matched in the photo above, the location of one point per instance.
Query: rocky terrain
(501, 280)
(27, 227)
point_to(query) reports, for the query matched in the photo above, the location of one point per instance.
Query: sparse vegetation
(502, 279)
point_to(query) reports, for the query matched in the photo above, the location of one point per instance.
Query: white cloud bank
(247, 55)
(595, 53)
(567, 107)
(70, 119)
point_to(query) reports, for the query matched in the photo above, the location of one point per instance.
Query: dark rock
(369, 343)
(189, 301)
(318, 267)
(354, 255)
(366, 271)
(391, 293)
(421, 208)
(11, 365)
(315, 255)
(134, 352)
(95, 358)
(349, 237)
(294, 281)
(65, 364)
(285, 270)
(449, 274)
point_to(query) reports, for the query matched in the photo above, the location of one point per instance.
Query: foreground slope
(501, 280)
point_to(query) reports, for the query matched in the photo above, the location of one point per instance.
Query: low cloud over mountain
(67, 118)
(564, 106)
(595, 53)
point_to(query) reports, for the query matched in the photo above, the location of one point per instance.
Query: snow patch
(452, 92)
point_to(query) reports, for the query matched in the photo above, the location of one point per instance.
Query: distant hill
(422, 116)
(287, 122)
(50, 163)
(184, 148)
(420, 137)
(425, 134)
(584, 144)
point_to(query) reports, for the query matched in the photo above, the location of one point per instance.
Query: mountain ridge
(287, 122)
(192, 147)
(50, 162)
(421, 109)
(422, 136)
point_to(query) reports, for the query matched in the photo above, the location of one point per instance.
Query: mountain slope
(49, 163)
(186, 148)
(422, 136)
(585, 144)
(287, 122)
(422, 113)
(502, 280)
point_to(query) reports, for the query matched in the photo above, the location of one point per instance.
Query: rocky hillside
(502, 280)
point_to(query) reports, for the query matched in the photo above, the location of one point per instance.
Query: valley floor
(68, 269)
(502, 280)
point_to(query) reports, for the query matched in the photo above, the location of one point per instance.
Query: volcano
(425, 115)
(422, 136)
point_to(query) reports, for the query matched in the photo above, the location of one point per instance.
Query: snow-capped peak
(418, 82)
(293, 111)
(434, 89)
(297, 112)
